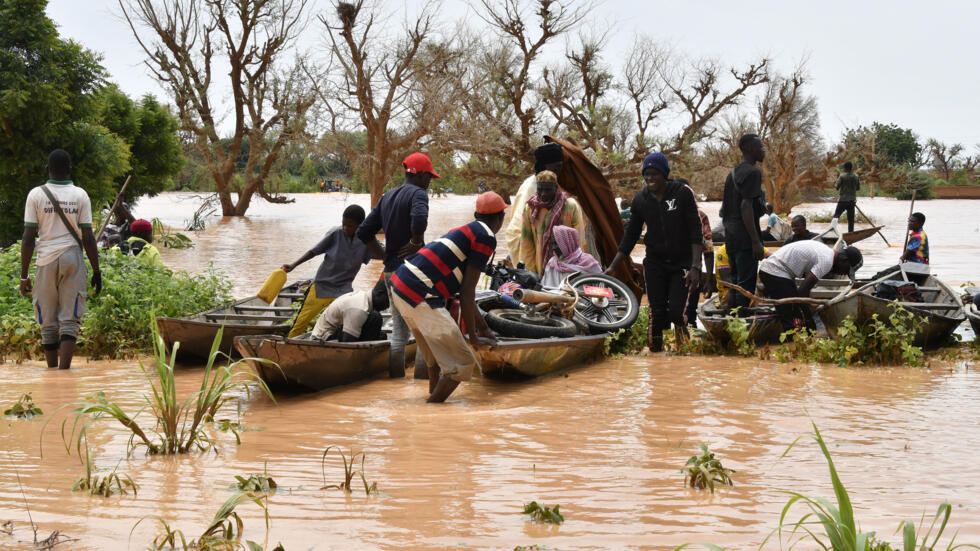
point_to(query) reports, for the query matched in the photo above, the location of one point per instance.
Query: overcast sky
(909, 63)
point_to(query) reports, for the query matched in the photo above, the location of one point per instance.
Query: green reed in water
(257, 483)
(180, 424)
(24, 408)
(705, 470)
(104, 486)
(223, 534)
(544, 514)
(349, 461)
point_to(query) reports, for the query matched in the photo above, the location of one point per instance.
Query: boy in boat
(422, 284)
(918, 247)
(848, 184)
(343, 256)
(800, 233)
(809, 260)
(741, 208)
(54, 216)
(403, 214)
(674, 242)
(354, 317)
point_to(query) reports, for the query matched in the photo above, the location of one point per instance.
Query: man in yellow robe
(547, 208)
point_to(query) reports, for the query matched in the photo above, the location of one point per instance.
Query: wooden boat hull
(935, 329)
(849, 237)
(307, 365)
(196, 333)
(522, 358)
(973, 315)
(764, 328)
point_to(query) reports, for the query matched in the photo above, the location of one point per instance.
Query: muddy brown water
(605, 441)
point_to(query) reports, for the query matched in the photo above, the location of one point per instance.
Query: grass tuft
(105, 486)
(544, 514)
(349, 460)
(24, 408)
(705, 470)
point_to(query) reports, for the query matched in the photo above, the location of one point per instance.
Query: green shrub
(543, 514)
(705, 470)
(629, 341)
(115, 322)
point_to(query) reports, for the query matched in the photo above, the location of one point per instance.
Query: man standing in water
(672, 264)
(54, 216)
(403, 214)
(848, 184)
(742, 206)
(422, 284)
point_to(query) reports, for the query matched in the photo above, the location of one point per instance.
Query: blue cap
(657, 161)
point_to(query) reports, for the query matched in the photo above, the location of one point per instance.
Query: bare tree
(186, 50)
(396, 90)
(945, 159)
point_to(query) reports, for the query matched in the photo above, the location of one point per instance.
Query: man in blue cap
(672, 265)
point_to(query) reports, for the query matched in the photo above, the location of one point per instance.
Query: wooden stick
(774, 301)
(915, 191)
(115, 203)
(872, 223)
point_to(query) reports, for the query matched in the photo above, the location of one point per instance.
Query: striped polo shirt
(435, 273)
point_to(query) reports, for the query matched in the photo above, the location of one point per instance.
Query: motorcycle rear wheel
(516, 323)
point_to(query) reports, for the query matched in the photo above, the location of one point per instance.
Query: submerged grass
(105, 486)
(544, 514)
(705, 470)
(257, 483)
(349, 461)
(223, 534)
(180, 424)
(24, 408)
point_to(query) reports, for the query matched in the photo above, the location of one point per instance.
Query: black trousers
(790, 315)
(744, 269)
(667, 295)
(849, 207)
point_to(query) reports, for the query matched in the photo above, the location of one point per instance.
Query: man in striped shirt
(442, 269)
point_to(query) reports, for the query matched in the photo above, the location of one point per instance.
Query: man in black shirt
(742, 206)
(800, 233)
(673, 246)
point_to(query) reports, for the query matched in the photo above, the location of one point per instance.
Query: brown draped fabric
(584, 181)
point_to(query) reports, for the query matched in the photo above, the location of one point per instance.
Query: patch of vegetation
(114, 323)
(179, 424)
(169, 238)
(105, 486)
(223, 534)
(698, 343)
(877, 342)
(349, 460)
(543, 514)
(24, 408)
(705, 470)
(534, 547)
(257, 483)
(629, 341)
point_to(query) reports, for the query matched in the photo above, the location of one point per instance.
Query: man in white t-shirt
(62, 278)
(353, 317)
(807, 260)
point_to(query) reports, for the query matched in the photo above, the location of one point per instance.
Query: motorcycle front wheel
(602, 314)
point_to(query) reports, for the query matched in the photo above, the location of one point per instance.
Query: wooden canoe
(973, 315)
(941, 310)
(307, 365)
(828, 237)
(764, 324)
(522, 358)
(250, 316)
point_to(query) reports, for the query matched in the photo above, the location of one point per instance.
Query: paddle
(901, 260)
(872, 223)
(115, 204)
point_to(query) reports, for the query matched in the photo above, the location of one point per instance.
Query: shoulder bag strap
(61, 214)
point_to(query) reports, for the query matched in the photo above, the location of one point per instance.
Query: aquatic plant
(223, 534)
(833, 526)
(698, 343)
(348, 461)
(24, 408)
(169, 238)
(880, 342)
(115, 321)
(104, 486)
(257, 483)
(705, 470)
(180, 425)
(738, 334)
(631, 340)
(543, 514)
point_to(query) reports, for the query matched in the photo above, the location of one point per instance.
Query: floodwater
(606, 441)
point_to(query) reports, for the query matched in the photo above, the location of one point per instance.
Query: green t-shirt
(848, 185)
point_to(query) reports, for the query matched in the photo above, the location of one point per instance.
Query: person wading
(343, 256)
(403, 214)
(548, 208)
(741, 207)
(672, 264)
(58, 224)
(421, 285)
(847, 184)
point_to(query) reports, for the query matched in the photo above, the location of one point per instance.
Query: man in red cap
(421, 285)
(403, 214)
(140, 243)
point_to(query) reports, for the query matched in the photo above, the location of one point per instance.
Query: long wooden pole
(905, 247)
(872, 223)
(115, 204)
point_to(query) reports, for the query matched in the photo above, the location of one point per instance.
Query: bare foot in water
(443, 389)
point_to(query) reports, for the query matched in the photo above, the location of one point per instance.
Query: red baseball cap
(140, 225)
(490, 203)
(419, 162)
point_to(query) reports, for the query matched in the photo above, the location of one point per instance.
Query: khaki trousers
(59, 295)
(438, 338)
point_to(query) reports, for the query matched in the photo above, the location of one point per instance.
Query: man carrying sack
(54, 216)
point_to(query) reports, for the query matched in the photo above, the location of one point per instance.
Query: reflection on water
(606, 442)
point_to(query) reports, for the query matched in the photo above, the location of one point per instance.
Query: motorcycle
(582, 304)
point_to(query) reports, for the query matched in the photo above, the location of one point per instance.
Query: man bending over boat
(809, 260)
(421, 285)
(354, 317)
(343, 256)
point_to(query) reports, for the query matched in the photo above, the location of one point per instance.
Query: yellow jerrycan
(270, 289)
